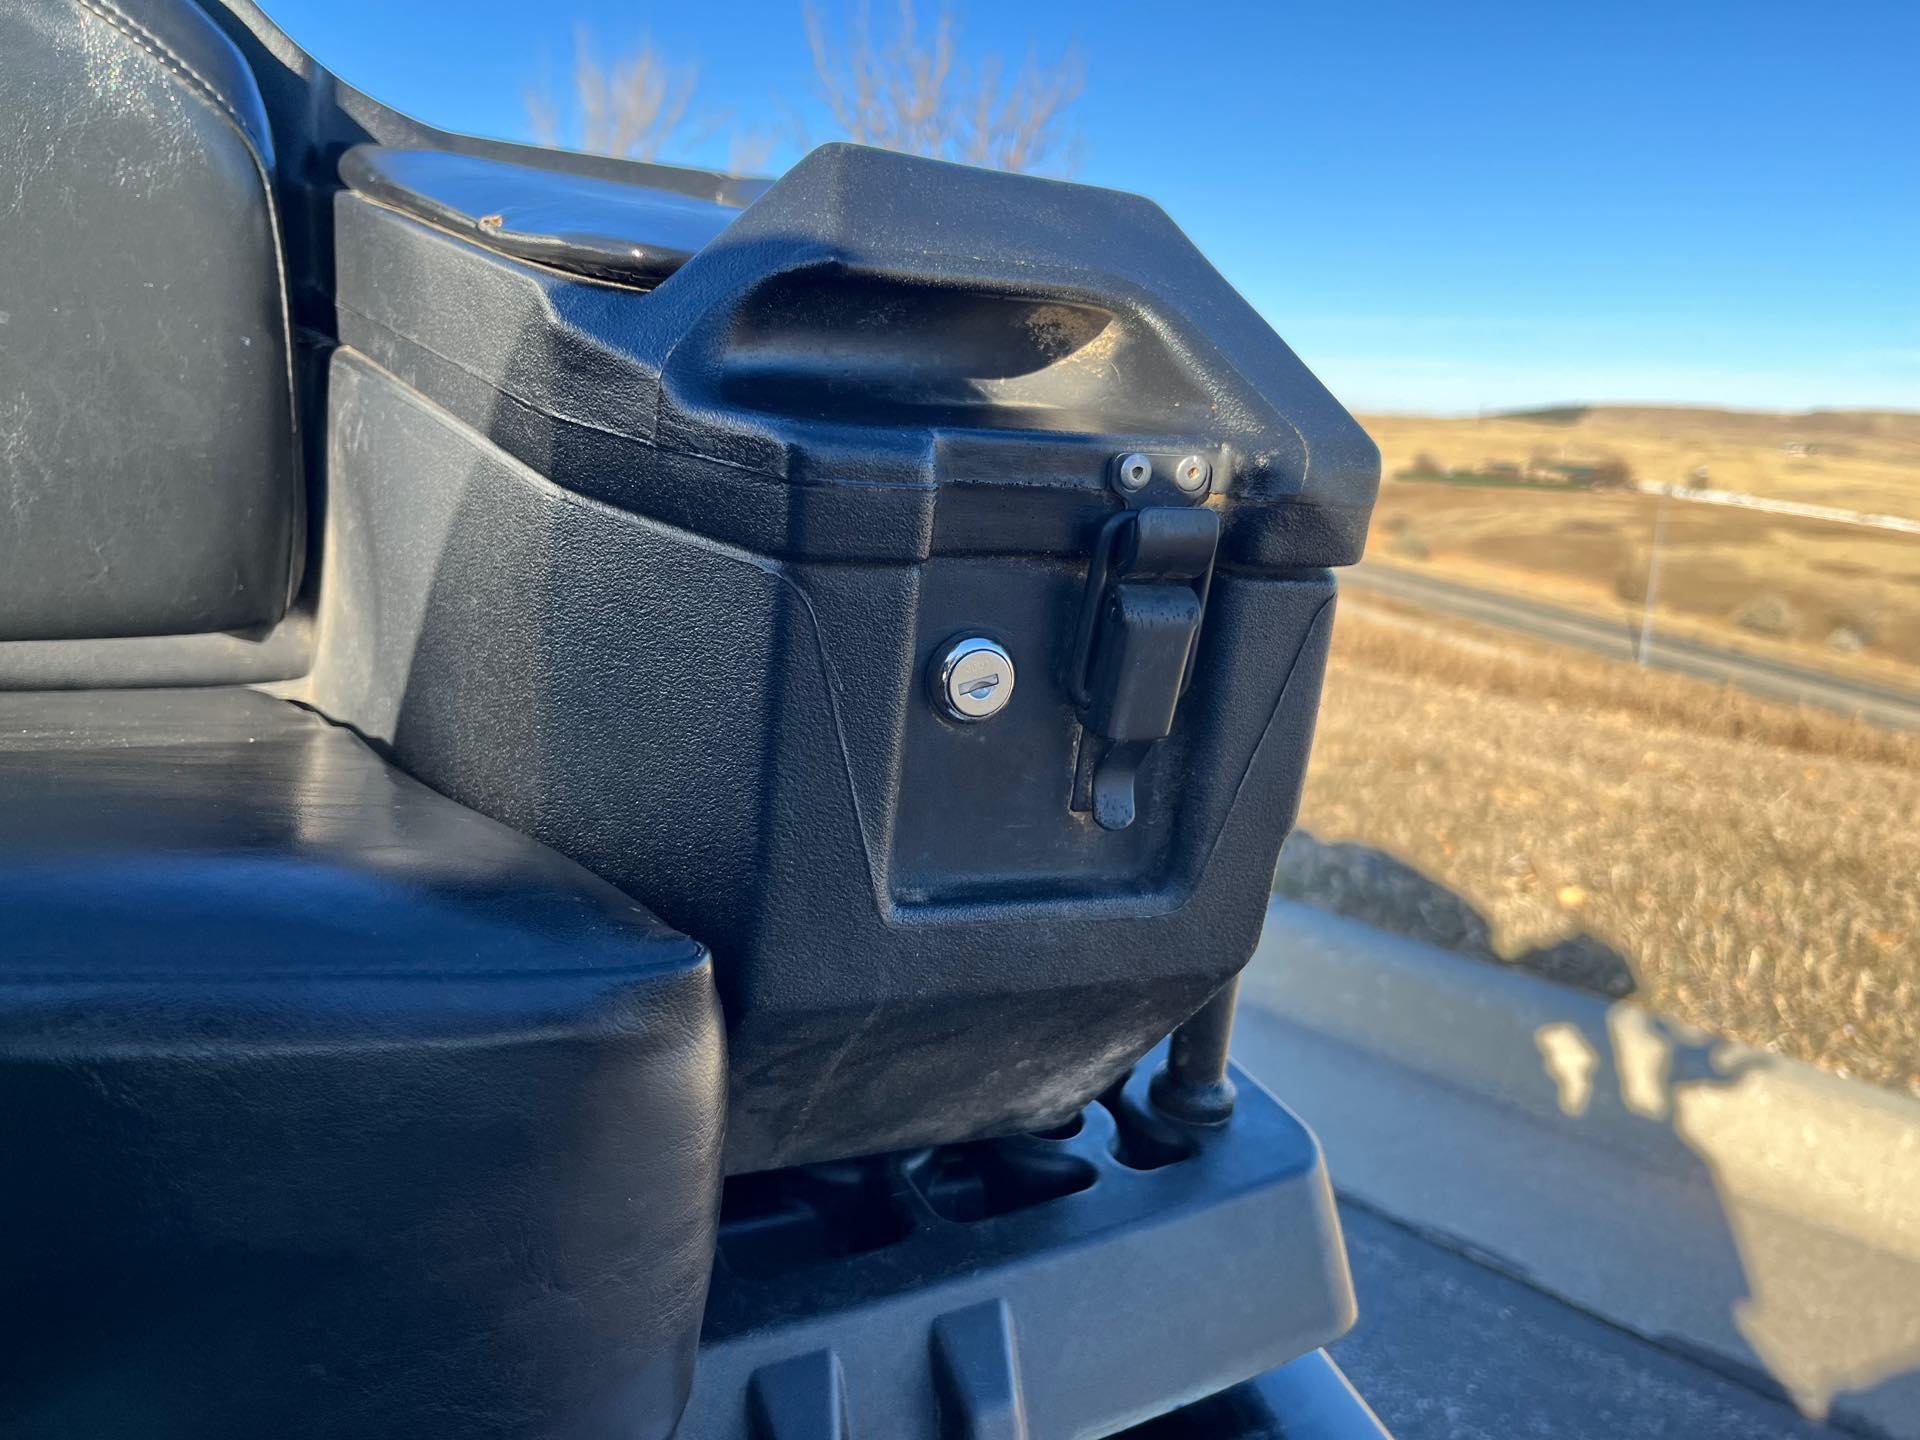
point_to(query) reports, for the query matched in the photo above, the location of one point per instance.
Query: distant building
(1579, 474)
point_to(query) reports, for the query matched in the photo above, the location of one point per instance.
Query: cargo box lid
(883, 357)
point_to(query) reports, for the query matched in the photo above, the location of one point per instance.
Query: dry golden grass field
(1749, 867)
(1839, 596)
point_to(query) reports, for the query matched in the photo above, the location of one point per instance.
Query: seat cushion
(148, 465)
(327, 1106)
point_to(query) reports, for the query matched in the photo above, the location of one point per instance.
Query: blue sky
(1442, 207)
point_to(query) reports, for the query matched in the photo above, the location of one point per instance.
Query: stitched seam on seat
(171, 58)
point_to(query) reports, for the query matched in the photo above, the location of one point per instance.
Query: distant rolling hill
(1837, 597)
(1754, 421)
(1860, 459)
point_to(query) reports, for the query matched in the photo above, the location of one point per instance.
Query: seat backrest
(149, 475)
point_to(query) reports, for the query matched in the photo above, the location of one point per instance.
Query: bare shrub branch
(911, 91)
(632, 108)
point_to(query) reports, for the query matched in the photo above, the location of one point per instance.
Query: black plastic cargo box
(919, 595)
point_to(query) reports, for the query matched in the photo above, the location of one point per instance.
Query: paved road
(1772, 679)
(1449, 1349)
(1570, 1219)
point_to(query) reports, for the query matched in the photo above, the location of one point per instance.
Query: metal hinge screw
(1134, 471)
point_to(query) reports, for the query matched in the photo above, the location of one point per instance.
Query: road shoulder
(1734, 1207)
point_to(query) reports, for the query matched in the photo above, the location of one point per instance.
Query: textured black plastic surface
(147, 437)
(868, 369)
(687, 650)
(883, 358)
(330, 1108)
(1184, 1262)
(748, 747)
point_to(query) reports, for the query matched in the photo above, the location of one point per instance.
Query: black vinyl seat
(328, 1106)
(147, 418)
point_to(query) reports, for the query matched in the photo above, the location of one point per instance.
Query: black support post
(1193, 1085)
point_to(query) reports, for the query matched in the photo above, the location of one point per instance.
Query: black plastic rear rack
(1072, 1283)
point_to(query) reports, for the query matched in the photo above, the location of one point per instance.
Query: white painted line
(1798, 508)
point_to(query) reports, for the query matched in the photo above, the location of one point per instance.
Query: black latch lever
(1134, 648)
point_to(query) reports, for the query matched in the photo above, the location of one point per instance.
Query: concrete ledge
(1750, 1210)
